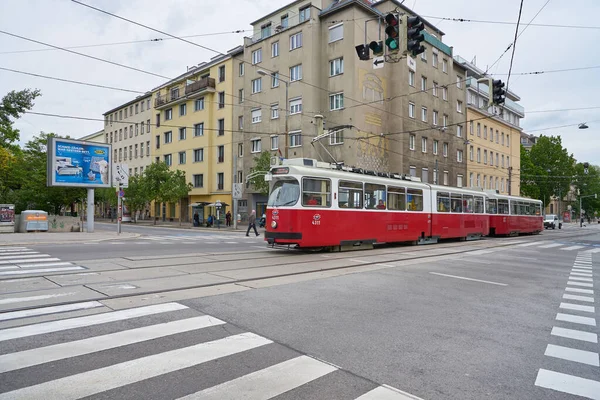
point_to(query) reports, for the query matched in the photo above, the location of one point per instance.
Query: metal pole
(287, 113)
(90, 210)
(235, 175)
(119, 210)
(580, 214)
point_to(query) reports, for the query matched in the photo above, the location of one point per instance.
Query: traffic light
(392, 32)
(414, 36)
(497, 92)
(376, 47)
(363, 52)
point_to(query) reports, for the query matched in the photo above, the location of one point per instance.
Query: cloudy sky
(67, 24)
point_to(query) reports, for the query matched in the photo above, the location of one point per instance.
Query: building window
(497, 137)
(168, 114)
(471, 153)
(424, 145)
(182, 134)
(424, 114)
(445, 121)
(168, 137)
(125, 133)
(459, 105)
(182, 157)
(502, 160)
(425, 175)
(337, 137)
(199, 129)
(411, 142)
(446, 178)
(459, 180)
(497, 160)
(434, 59)
(274, 49)
(220, 181)
(411, 110)
(256, 147)
(435, 89)
(137, 108)
(478, 129)
(148, 126)
(182, 109)
(459, 131)
(445, 150)
(423, 83)
(507, 140)
(444, 93)
(295, 106)
(198, 155)
(148, 104)
(478, 180)
(137, 130)
(256, 115)
(221, 73)
(471, 179)
(131, 130)
(336, 101)
(221, 126)
(485, 132)
(336, 33)
(265, 31)
(240, 177)
(435, 117)
(304, 14)
(241, 122)
(459, 80)
(444, 65)
(256, 56)
(485, 157)
(120, 154)
(295, 41)
(424, 54)
(256, 85)
(274, 111)
(275, 79)
(199, 104)
(435, 147)
(240, 149)
(295, 139)
(142, 150)
(336, 67)
(274, 142)
(148, 148)
(221, 99)
(412, 170)
(478, 155)
(471, 127)
(241, 69)
(198, 180)
(284, 21)
(492, 158)
(221, 154)
(241, 96)
(507, 162)
(411, 78)
(459, 155)
(296, 73)
(168, 159)
(136, 151)
(502, 135)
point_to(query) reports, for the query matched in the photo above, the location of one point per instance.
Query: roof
(280, 9)
(93, 135)
(146, 95)
(340, 4)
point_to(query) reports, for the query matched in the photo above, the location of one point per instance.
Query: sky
(65, 23)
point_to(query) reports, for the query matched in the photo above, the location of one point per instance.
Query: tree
(262, 164)
(156, 176)
(136, 196)
(175, 189)
(587, 183)
(11, 107)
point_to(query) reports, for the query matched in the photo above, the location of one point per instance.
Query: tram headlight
(274, 224)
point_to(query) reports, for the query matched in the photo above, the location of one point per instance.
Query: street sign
(121, 175)
(412, 64)
(237, 191)
(378, 62)
(121, 193)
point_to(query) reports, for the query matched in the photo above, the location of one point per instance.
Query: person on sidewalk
(252, 223)
(196, 219)
(228, 218)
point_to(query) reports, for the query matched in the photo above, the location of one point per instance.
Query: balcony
(184, 92)
(277, 26)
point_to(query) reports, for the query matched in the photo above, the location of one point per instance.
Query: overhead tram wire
(85, 55)
(514, 45)
(510, 23)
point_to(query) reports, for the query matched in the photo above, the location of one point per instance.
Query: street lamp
(287, 111)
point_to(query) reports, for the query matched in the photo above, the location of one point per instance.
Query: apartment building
(97, 137)
(301, 62)
(193, 117)
(494, 152)
(128, 128)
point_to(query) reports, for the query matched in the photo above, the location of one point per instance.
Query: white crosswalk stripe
(203, 239)
(160, 357)
(24, 261)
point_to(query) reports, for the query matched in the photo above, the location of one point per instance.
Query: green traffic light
(392, 44)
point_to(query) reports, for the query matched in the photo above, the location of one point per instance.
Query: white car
(552, 221)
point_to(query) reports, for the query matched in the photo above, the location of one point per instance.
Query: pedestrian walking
(228, 218)
(252, 223)
(196, 219)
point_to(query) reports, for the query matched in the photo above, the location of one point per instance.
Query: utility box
(33, 221)
(7, 218)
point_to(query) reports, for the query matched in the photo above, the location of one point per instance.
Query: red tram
(315, 204)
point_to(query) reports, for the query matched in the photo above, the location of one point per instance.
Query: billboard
(78, 163)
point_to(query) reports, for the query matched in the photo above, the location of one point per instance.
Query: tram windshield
(285, 192)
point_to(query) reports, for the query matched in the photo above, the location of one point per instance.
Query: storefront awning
(213, 204)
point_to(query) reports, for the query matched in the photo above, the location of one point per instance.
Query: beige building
(494, 135)
(301, 62)
(193, 123)
(97, 137)
(129, 130)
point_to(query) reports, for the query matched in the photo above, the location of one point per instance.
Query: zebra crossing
(165, 351)
(544, 245)
(198, 239)
(23, 261)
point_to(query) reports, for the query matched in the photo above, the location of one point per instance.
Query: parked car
(552, 221)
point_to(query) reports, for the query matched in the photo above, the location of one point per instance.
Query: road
(184, 314)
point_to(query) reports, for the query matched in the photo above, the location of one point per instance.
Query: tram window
(443, 202)
(503, 207)
(492, 206)
(316, 192)
(538, 209)
(375, 196)
(479, 205)
(396, 198)
(414, 199)
(514, 207)
(468, 203)
(456, 203)
(285, 192)
(350, 194)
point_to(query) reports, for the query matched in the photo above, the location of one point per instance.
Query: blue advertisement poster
(78, 163)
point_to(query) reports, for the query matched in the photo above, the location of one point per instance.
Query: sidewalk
(14, 239)
(242, 226)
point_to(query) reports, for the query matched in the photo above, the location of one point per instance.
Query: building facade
(128, 128)
(193, 121)
(97, 137)
(494, 136)
(301, 62)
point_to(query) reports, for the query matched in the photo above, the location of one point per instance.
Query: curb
(135, 236)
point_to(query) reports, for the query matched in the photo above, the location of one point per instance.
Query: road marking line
(575, 278)
(28, 358)
(577, 307)
(528, 244)
(20, 253)
(568, 384)
(23, 256)
(57, 326)
(547, 246)
(118, 375)
(269, 382)
(573, 334)
(386, 392)
(52, 264)
(587, 274)
(3, 249)
(359, 261)
(576, 319)
(469, 279)
(584, 262)
(33, 298)
(567, 353)
(578, 298)
(580, 284)
(573, 248)
(592, 251)
(586, 291)
(478, 252)
(582, 269)
(24, 260)
(49, 310)
(37, 271)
